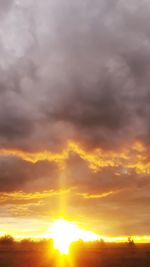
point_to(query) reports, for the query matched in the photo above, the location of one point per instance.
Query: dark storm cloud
(18, 175)
(14, 125)
(80, 65)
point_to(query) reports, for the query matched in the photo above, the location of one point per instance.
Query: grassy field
(115, 256)
(18, 255)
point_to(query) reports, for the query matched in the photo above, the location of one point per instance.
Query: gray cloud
(5, 5)
(18, 175)
(105, 180)
(76, 70)
(83, 66)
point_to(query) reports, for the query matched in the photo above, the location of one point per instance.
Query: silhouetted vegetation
(6, 240)
(28, 253)
(131, 241)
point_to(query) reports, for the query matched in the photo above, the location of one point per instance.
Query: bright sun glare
(64, 233)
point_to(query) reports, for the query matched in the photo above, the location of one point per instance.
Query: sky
(74, 115)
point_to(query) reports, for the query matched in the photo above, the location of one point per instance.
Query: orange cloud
(97, 196)
(23, 196)
(130, 157)
(95, 158)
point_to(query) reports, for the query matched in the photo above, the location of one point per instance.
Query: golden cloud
(130, 157)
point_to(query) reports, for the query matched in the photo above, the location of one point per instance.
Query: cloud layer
(76, 70)
(80, 66)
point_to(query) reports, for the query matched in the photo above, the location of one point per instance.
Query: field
(40, 255)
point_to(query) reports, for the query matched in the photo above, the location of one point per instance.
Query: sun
(65, 232)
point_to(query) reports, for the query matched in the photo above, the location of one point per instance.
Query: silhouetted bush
(26, 241)
(6, 240)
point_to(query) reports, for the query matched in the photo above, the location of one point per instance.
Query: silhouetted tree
(131, 241)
